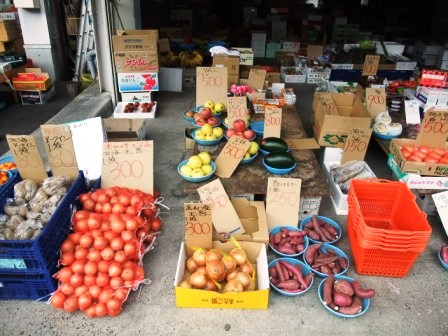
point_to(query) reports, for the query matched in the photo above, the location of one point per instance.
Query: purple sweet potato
(361, 292)
(342, 300)
(310, 253)
(327, 290)
(354, 308)
(343, 286)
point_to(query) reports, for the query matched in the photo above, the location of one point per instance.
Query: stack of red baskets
(386, 229)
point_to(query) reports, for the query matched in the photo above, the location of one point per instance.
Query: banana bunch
(169, 60)
(190, 59)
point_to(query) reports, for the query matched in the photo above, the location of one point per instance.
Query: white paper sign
(88, 138)
(441, 202)
(412, 111)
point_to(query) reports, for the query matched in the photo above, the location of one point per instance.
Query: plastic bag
(53, 183)
(25, 189)
(23, 232)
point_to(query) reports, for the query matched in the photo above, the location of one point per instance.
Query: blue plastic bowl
(217, 44)
(365, 302)
(10, 174)
(249, 160)
(305, 271)
(205, 142)
(279, 171)
(196, 179)
(292, 228)
(444, 264)
(384, 136)
(258, 128)
(324, 249)
(329, 221)
(197, 126)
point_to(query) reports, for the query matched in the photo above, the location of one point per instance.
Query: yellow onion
(200, 269)
(229, 263)
(212, 255)
(185, 284)
(233, 286)
(211, 285)
(215, 270)
(244, 278)
(231, 275)
(191, 265)
(199, 256)
(239, 255)
(198, 280)
(247, 267)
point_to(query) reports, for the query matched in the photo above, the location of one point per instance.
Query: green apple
(210, 137)
(200, 135)
(195, 161)
(197, 172)
(253, 148)
(207, 129)
(219, 107)
(204, 157)
(186, 170)
(207, 169)
(218, 132)
(210, 104)
(247, 155)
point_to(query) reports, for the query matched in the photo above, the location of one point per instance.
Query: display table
(252, 178)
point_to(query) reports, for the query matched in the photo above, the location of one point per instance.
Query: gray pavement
(414, 305)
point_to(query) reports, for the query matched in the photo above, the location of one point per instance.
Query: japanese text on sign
(231, 155)
(58, 156)
(272, 122)
(436, 122)
(441, 202)
(356, 144)
(209, 77)
(370, 67)
(236, 109)
(24, 149)
(197, 219)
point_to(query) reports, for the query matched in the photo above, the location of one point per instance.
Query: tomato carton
(433, 134)
(32, 79)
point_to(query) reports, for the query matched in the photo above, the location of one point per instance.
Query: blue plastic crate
(42, 253)
(30, 286)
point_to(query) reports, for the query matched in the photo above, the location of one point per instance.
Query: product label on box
(137, 82)
(282, 201)
(342, 66)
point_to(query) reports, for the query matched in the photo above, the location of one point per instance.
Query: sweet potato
(295, 271)
(361, 292)
(332, 230)
(311, 251)
(273, 272)
(444, 253)
(296, 234)
(354, 308)
(300, 248)
(343, 286)
(325, 269)
(274, 281)
(289, 284)
(343, 262)
(277, 238)
(342, 300)
(286, 250)
(327, 290)
(308, 279)
(327, 234)
(280, 273)
(321, 261)
(312, 234)
(336, 269)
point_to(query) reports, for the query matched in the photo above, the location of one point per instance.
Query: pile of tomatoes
(424, 154)
(101, 257)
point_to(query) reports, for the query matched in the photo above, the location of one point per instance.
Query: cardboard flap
(314, 51)
(122, 124)
(433, 131)
(308, 143)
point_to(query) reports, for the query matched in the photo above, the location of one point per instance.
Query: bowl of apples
(207, 135)
(251, 153)
(240, 129)
(197, 168)
(205, 116)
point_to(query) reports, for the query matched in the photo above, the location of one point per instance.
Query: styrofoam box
(118, 112)
(338, 198)
(299, 78)
(136, 96)
(391, 47)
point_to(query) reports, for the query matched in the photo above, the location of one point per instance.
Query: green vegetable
(273, 145)
(280, 160)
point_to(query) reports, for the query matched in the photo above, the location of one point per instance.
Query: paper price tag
(224, 216)
(236, 109)
(328, 104)
(370, 67)
(272, 122)
(434, 130)
(412, 111)
(441, 202)
(356, 144)
(60, 152)
(376, 100)
(256, 79)
(282, 201)
(128, 164)
(27, 157)
(198, 224)
(230, 156)
(211, 84)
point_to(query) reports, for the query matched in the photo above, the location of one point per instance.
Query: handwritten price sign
(236, 109)
(441, 202)
(282, 201)
(434, 130)
(27, 157)
(231, 155)
(128, 164)
(198, 224)
(370, 67)
(328, 104)
(225, 219)
(211, 84)
(256, 79)
(356, 144)
(376, 100)
(272, 122)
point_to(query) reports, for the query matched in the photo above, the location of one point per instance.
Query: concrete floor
(414, 305)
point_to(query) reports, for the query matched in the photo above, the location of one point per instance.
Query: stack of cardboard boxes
(34, 86)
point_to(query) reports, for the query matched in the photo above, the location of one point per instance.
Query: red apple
(248, 134)
(205, 112)
(230, 132)
(213, 121)
(200, 121)
(239, 125)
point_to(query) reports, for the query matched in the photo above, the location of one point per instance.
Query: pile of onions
(214, 270)
(100, 258)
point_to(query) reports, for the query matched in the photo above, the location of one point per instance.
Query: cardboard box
(415, 181)
(419, 168)
(32, 79)
(331, 126)
(36, 97)
(137, 114)
(196, 298)
(332, 156)
(298, 77)
(136, 96)
(139, 42)
(293, 46)
(393, 48)
(313, 74)
(254, 220)
(132, 82)
(124, 129)
(232, 63)
(72, 24)
(136, 61)
(189, 141)
(246, 56)
(285, 58)
(8, 30)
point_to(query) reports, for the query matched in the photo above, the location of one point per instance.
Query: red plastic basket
(382, 214)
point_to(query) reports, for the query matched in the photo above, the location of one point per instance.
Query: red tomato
(81, 253)
(444, 159)
(420, 154)
(431, 160)
(405, 153)
(415, 158)
(424, 149)
(434, 155)
(57, 300)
